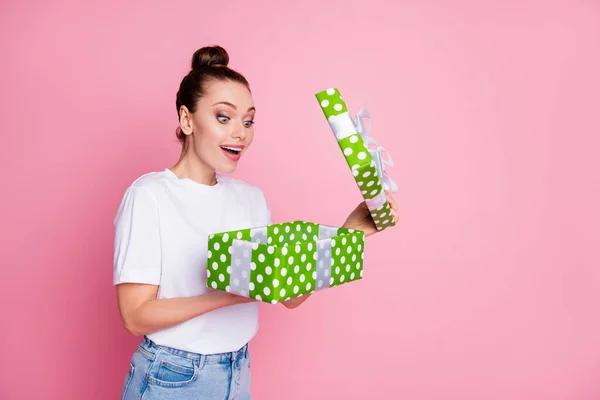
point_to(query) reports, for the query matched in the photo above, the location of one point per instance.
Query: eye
(222, 119)
(248, 124)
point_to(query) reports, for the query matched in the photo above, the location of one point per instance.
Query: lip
(233, 157)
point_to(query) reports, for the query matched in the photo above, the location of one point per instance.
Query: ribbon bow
(376, 151)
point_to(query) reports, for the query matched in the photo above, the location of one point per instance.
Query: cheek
(212, 133)
(250, 136)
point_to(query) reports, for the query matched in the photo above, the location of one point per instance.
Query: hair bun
(211, 56)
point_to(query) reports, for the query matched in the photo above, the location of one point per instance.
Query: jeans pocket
(173, 373)
(128, 379)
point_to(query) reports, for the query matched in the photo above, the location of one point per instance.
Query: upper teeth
(231, 148)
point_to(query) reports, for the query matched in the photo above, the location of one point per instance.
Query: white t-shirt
(161, 236)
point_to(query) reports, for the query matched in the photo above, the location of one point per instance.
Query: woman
(194, 339)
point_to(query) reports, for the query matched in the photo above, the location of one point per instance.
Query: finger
(392, 202)
(395, 215)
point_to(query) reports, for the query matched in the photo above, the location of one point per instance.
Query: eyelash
(245, 122)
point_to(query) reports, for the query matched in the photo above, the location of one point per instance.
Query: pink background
(489, 287)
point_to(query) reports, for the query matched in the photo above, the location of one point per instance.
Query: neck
(190, 166)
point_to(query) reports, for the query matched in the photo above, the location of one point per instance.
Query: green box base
(282, 261)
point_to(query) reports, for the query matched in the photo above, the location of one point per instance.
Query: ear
(185, 121)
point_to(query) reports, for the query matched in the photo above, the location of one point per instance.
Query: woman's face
(223, 125)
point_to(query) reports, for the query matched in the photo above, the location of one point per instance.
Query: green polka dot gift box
(363, 155)
(282, 261)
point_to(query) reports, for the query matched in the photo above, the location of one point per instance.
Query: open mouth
(232, 150)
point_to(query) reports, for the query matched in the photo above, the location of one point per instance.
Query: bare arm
(359, 219)
(142, 313)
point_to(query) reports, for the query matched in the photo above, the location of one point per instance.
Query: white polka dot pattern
(356, 154)
(309, 257)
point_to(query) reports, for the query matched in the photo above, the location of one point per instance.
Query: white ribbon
(376, 202)
(342, 125)
(376, 152)
(241, 261)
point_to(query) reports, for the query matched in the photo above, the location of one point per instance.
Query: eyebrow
(233, 105)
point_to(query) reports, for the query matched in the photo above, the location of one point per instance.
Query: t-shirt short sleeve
(264, 207)
(137, 248)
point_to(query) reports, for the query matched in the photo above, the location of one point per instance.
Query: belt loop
(146, 343)
(201, 361)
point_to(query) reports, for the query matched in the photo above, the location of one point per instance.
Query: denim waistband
(148, 346)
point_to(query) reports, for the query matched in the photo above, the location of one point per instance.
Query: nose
(239, 132)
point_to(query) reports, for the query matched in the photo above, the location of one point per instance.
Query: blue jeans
(159, 372)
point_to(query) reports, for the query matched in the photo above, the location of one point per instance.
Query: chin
(228, 168)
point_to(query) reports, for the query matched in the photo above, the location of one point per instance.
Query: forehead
(231, 92)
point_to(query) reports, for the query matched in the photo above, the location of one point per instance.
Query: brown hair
(208, 64)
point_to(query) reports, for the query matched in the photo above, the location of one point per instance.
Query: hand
(234, 298)
(360, 218)
(296, 301)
